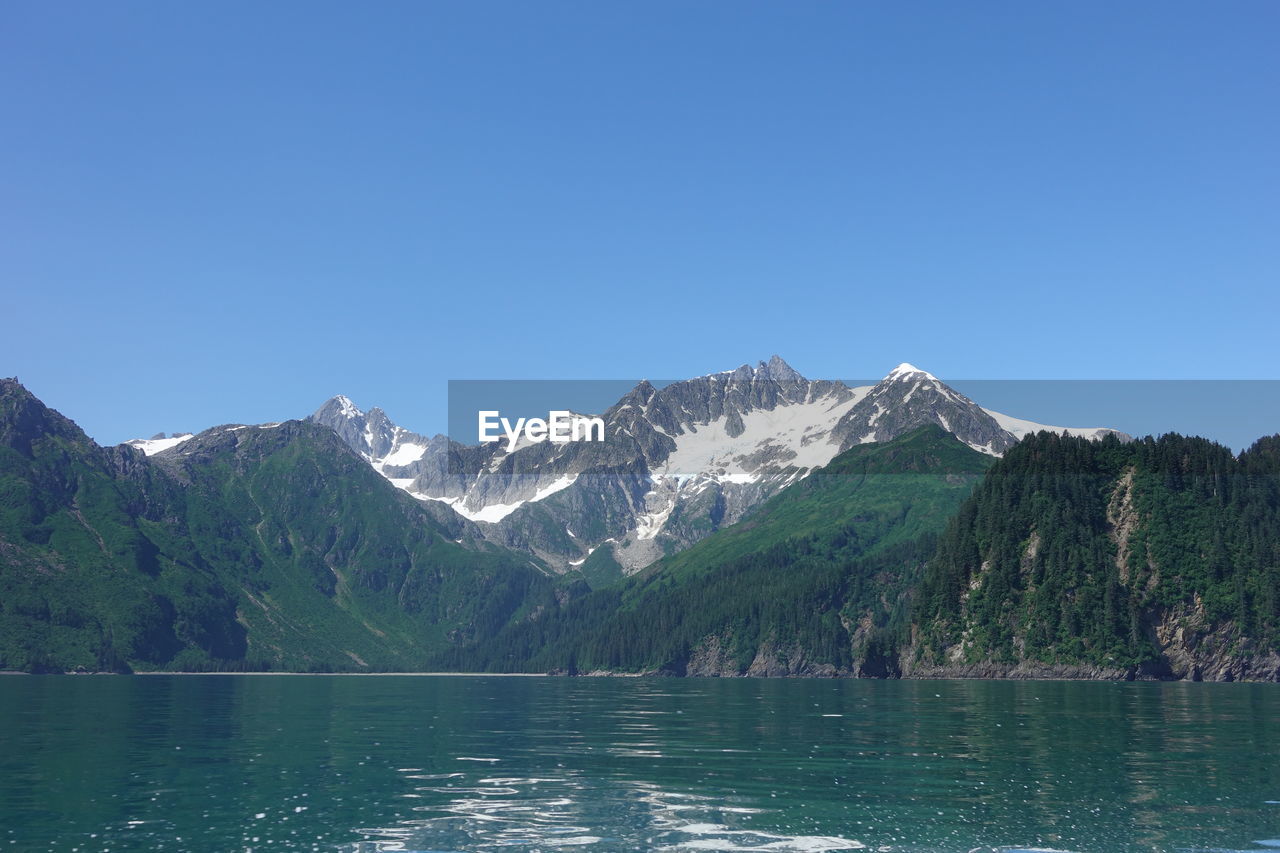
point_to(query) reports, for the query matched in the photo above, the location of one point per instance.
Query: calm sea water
(222, 763)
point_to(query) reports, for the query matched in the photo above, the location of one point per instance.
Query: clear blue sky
(230, 211)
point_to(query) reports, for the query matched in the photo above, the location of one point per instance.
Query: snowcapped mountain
(677, 462)
(372, 434)
(908, 398)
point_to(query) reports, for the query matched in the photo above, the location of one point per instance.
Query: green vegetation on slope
(1092, 553)
(250, 549)
(817, 575)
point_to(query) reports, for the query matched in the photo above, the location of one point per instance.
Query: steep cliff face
(1193, 646)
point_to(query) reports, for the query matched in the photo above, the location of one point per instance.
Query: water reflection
(515, 813)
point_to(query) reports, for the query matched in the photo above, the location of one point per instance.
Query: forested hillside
(1157, 557)
(251, 548)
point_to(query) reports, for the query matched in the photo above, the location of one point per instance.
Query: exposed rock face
(1122, 517)
(712, 659)
(1192, 649)
(772, 659)
(1215, 657)
(370, 434)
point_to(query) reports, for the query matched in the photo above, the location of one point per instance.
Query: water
(362, 764)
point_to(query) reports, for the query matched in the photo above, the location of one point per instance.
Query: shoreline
(348, 674)
(291, 674)
(594, 675)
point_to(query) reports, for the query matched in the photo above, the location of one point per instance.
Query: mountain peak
(906, 370)
(24, 418)
(775, 368)
(910, 397)
(778, 370)
(338, 407)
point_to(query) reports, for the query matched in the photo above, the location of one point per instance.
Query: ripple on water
(536, 813)
(719, 837)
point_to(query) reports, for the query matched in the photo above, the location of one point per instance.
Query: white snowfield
(800, 433)
(152, 446)
(1020, 428)
(403, 454)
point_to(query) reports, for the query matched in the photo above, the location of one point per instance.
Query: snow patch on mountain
(347, 408)
(1021, 428)
(152, 446)
(908, 371)
(649, 525)
(796, 434)
(404, 454)
(493, 513)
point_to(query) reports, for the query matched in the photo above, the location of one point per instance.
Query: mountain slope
(1159, 558)
(242, 547)
(811, 583)
(81, 583)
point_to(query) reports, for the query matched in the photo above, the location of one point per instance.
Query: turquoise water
(221, 763)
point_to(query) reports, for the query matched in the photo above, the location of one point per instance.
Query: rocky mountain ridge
(678, 461)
